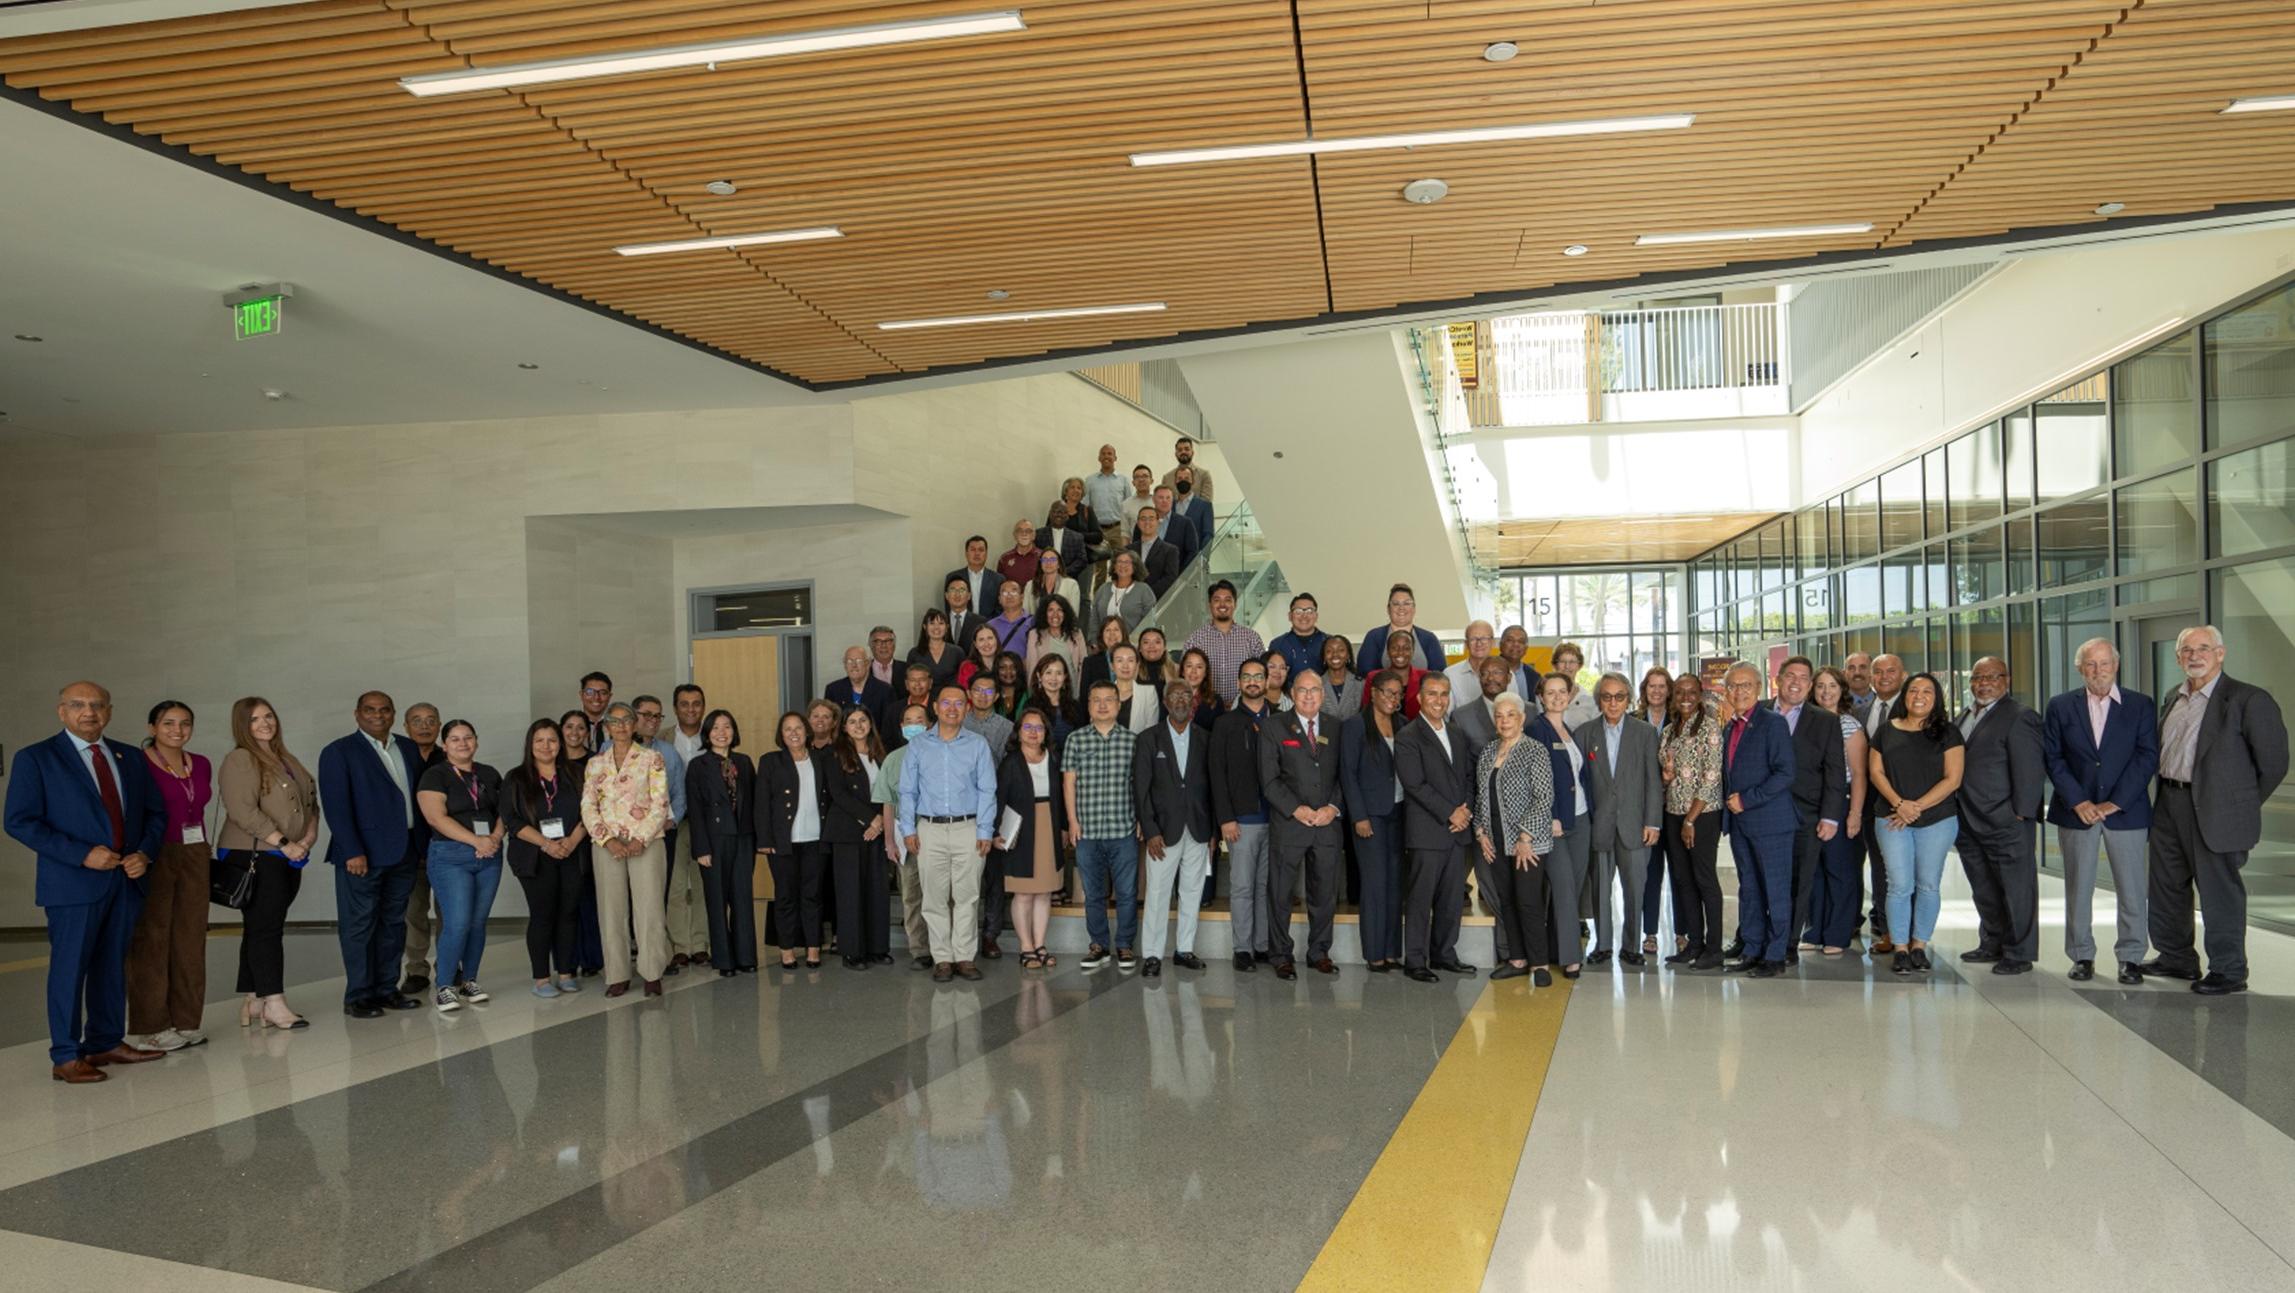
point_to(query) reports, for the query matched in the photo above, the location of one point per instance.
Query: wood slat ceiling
(999, 162)
(1581, 541)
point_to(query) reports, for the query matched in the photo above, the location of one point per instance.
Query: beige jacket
(256, 807)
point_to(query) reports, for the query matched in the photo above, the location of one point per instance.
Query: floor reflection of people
(1180, 1062)
(962, 1158)
(637, 1174)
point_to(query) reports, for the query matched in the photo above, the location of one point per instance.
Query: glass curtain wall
(2142, 498)
(1626, 618)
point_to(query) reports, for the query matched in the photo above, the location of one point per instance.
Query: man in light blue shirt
(947, 817)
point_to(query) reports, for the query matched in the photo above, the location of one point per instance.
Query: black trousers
(2003, 870)
(728, 890)
(797, 894)
(1518, 896)
(1696, 883)
(1875, 867)
(995, 905)
(263, 938)
(1808, 855)
(1434, 899)
(2180, 859)
(1321, 865)
(553, 910)
(864, 911)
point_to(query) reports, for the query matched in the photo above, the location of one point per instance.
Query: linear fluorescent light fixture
(512, 75)
(1749, 235)
(1420, 139)
(729, 240)
(1021, 316)
(2266, 103)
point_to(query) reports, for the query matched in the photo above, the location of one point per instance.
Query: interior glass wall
(2154, 494)
(1626, 618)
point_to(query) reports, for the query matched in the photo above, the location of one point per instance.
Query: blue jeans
(463, 884)
(1107, 864)
(1915, 859)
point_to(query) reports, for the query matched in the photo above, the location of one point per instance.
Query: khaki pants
(684, 913)
(622, 882)
(948, 868)
(912, 907)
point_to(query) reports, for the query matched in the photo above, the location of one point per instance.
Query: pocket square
(1291, 745)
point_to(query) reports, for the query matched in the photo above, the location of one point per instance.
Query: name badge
(481, 826)
(553, 828)
(195, 834)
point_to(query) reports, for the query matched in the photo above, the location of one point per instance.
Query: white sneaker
(472, 993)
(446, 1001)
(166, 1039)
(193, 1037)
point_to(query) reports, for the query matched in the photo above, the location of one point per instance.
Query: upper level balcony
(1657, 365)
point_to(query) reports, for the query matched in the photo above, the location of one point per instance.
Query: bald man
(92, 816)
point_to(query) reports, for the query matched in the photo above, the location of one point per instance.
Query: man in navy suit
(1195, 507)
(2102, 744)
(1758, 816)
(90, 813)
(366, 789)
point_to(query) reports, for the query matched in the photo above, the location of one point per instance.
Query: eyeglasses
(596, 691)
(649, 713)
(1611, 697)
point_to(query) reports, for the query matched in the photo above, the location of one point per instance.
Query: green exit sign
(261, 317)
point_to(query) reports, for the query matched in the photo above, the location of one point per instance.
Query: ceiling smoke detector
(1498, 51)
(1575, 249)
(998, 294)
(1425, 192)
(2111, 208)
(722, 188)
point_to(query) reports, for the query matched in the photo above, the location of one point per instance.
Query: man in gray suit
(2223, 750)
(1299, 775)
(2003, 786)
(1434, 762)
(1629, 807)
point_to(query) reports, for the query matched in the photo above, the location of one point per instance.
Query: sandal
(1031, 960)
(1045, 959)
(1649, 945)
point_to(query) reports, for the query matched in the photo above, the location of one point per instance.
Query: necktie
(1310, 731)
(110, 787)
(1736, 732)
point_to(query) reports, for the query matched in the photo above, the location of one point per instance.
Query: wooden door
(743, 675)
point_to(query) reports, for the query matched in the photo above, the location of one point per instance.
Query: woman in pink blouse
(625, 807)
(167, 962)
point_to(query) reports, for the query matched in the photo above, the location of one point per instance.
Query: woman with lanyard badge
(458, 799)
(167, 961)
(541, 806)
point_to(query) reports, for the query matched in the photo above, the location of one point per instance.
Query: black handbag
(231, 879)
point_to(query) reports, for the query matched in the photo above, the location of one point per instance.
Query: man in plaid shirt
(1226, 643)
(1096, 777)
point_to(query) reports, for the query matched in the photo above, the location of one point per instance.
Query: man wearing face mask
(2002, 785)
(1191, 504)
(914, 717)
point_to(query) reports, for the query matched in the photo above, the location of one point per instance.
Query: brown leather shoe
(1882, 947)
(967, 970)
(992, 951)
(943, 971)
(78, 1073)
(653, 987)
(1323, 966)
(618, 989)
(125, 1054)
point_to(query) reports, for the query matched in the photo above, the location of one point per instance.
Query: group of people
(1003, 755)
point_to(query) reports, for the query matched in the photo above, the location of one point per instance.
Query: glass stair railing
(1237, 553)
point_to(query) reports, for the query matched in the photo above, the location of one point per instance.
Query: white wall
(2039, 322)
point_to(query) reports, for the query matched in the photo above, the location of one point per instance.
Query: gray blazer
(1630, 801)
(1472, 718)
(2241, 759)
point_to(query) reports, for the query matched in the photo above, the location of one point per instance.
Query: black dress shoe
(1421, 974)
(920, 962)
(670, 971)
(1285, 970)
(1902, 964)
(398, 1001)
(1188, 961)
(2155, 969)
(1979, 955)
(2009, 965)
(1152, 967)
(1792, 956)
(881, 958)
(1542, 977)
(1600, 957)
(1765, 970)
(362, 1010)
(414, 986)
(1709, 961)
(1735, 950)
(1507, 972)
(1569, 973)
(2131, 976)
(2082, 971)
(1262, 957)
(1742, 966)
(1381, 967)
(1632, 958)
(851, 963)
(1456, 967)
(2215, 985)
(1683, 957)
(1244, 963)
(1920, 960)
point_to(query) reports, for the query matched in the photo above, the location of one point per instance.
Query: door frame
(797, 664)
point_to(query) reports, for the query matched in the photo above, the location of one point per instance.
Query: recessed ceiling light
(729, 240)
(1575, 249)
(1021, 316)
(1498, 51)
(722, 188)
(730, 51)
(273, 393)
(529, 367)
(2111, 208)
(1418, 139)
(26, 336)
(1425, 192)
(998, 294)
(2266, 103)
(1748, 235)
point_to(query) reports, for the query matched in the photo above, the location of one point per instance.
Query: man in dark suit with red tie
(1299, 774)
(1760, 820)
(88, 810)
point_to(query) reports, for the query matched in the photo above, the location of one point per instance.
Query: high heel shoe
(276, 1015)
(247, 1010)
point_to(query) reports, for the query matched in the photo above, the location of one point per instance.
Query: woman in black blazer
(792, 803)
(854, 830)
(721, 811)
(1028, 866)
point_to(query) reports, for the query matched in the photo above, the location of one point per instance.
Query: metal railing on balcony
(1700, 361)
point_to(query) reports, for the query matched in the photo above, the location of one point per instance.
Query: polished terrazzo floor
(1638, 1130)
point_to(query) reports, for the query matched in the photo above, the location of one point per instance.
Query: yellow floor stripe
(32, 964)
(1427, 1214)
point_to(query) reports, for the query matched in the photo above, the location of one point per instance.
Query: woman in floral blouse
(1689, 758)
(625, 806)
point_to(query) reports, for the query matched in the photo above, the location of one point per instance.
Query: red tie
(111, 789)
(1736, 731)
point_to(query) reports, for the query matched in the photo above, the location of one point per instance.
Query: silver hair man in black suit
(1299, 775)
(2003, 786)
